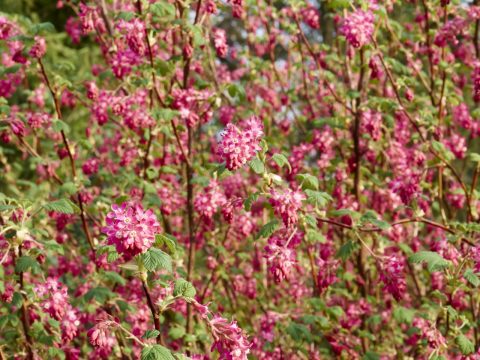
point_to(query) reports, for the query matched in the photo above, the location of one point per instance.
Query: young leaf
(183, 288)
(257, 166)
(267, 229)
(434, 261)
(318, 198)
(63, 206)
(471, 277)
(156, 352)
(281, 160)
(155, 259)
(464, 344)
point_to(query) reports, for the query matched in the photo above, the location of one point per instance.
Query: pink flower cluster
(391, 274)
(220, 42)
(131, 229)
(286, 205)
(237, 146)
(358, 27)
(208, 202)
(54, 302)
(229, 340)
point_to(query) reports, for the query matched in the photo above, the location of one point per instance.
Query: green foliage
(434, 261)
(183, 288)
(155, 259)
(156, 352)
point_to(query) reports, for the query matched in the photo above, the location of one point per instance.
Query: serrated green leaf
(24, 263)
(257, 166)
(471, 277)
(155, 259)
(267, 229)
(281, 160)
(250, 200)
(150, 334)
(156, 352)
(318, 198)
(64, 206)
(346, 250)
(464, 344)
(183, 288)
(434, 261)
(308, 181)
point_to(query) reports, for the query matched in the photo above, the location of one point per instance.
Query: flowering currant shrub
(240, 179)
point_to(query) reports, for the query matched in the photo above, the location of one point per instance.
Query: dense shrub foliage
(243, 179)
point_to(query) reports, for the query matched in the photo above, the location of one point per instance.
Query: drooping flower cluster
(220, 42)
(55, 298)
(99, 335)
(238, 146)
(358, 27)
(131, 228)
(229, 340)
(54, 302)
(391, 274)
(286, 205)
(208, 202)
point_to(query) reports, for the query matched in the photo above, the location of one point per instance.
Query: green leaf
(434, 261)
(25, 263)
(168, 240)
(162, 9)
(308, 181)
(183, 288)
(101, 294)
(155, 259)
(267, 229)
(317, 198)
(176, 332)
(314, 236)
(156, 352)
(471, 277)
(59, 125)
(346, 250)
(114, 277)
(150, 334)
(250, 200)
(298, 332)
(257, 166)
(64, 206)
(464, 344)
(281, 160)
(474, 157)
(237, 90)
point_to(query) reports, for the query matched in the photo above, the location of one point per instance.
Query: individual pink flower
(237, 146)
(358, 27)
(280, 259)
(286, 204)
(476, 83)
(131, 229)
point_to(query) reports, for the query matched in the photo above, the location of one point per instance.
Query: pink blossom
(391, 274)
(358, 27)
(55, 298)
(237, 146)
(131, 229)
(286, 205)
(220, 42)
(39, 48)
